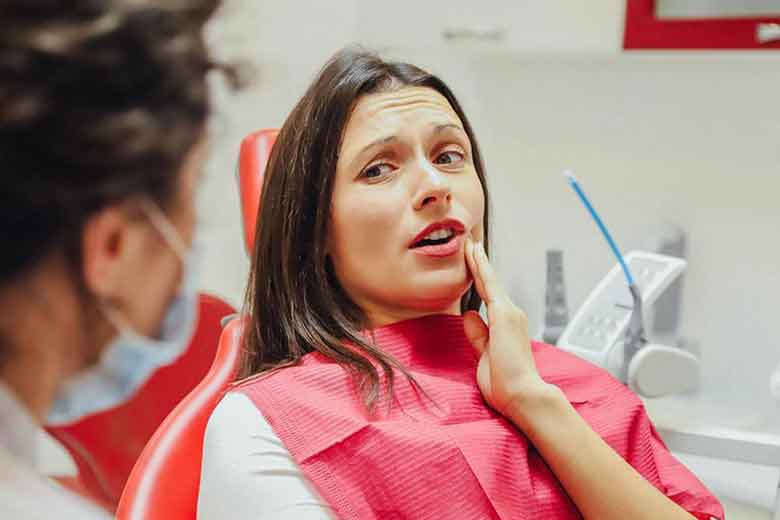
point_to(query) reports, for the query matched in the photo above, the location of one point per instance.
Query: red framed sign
(646, 28)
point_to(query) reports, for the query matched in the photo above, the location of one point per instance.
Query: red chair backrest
(106, 445)
(165, 481)
(253, 158)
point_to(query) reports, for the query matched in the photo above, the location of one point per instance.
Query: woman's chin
(438, 295)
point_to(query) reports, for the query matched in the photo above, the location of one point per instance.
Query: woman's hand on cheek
(506, 373)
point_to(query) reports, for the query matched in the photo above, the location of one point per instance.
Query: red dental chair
(164, 482)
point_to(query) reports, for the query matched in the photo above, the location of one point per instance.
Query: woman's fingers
(476, 331)
(471, 263)
(506, 363)
(497, 302)
(468, 253)
(492, 292)
(484, 273)
(500, 309)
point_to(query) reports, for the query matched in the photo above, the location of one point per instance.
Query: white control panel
(602, 320)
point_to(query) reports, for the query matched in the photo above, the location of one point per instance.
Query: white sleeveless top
(248, 474)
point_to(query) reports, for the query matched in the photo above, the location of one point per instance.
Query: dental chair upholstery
(253, 158)
(165, 481)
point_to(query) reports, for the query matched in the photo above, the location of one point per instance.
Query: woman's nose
(433, 188)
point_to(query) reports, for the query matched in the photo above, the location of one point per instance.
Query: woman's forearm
(598, 480)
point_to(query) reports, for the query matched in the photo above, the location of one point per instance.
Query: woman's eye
(449, 157)
(376, 171)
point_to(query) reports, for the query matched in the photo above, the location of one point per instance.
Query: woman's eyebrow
(441, 128)
(378, 142)
(373, 144)
(392, 138)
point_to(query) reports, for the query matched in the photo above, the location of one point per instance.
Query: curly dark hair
(100, 101)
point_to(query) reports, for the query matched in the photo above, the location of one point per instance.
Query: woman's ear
(110, 239)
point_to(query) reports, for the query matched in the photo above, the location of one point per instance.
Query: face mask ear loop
(164, 226)
(172, 238)
(117, 320)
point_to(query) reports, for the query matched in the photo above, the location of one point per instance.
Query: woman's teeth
(439, 234)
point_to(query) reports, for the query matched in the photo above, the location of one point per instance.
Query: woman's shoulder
(243, 460)
(235, 414)
(233, 431)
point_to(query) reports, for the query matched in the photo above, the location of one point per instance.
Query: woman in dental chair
(371, 386)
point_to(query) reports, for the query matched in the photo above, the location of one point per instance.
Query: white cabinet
(533, 26)
(310, 30)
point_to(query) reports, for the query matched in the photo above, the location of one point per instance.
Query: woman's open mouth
(439, 239)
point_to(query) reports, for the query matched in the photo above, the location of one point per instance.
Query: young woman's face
(406, 196)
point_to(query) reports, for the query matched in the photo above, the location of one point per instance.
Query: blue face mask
(131, 358)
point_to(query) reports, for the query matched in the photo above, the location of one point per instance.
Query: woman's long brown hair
(294, 302)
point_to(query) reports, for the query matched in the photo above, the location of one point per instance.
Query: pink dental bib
(451, 456)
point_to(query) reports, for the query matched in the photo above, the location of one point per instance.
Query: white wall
(683, 139)
(686, 139)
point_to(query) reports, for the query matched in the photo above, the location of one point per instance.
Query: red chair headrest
(253, 158)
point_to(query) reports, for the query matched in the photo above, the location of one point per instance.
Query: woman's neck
(380, 317)
(39, 330)
(34, 381)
